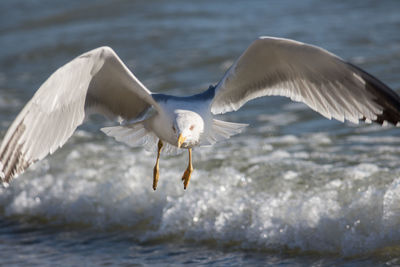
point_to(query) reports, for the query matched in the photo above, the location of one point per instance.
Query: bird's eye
(191, 127)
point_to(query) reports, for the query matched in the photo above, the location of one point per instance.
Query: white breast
(161, 125)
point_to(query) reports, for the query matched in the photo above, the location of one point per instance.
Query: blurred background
(294, 188)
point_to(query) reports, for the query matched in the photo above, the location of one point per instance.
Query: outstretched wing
(306, 73)
(97, 81)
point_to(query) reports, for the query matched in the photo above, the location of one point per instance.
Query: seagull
(98, 82)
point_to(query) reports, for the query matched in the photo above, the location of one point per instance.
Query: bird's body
(99, 82)
(181, 122)
(178, 107)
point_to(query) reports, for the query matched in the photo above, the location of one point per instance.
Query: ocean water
(294, 189)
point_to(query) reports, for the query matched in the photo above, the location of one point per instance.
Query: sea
(294, 189)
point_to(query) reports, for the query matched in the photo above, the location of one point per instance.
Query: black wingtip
(387, 98)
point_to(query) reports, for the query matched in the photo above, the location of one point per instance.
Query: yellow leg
(156, 173)
(188, 172)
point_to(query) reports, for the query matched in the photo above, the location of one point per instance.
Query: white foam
(286, 139)
(362, 170)
(290, 175)
(278, 119)
(270, 193)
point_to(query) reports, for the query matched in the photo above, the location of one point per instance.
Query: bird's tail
(222, 130)
(137, 135)
(132, 134)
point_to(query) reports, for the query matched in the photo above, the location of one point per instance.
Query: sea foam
(293, 195)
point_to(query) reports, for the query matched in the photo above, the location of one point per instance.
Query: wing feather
(97, 81)
(306, 73)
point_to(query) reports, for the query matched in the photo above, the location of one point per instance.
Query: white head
(188, 127)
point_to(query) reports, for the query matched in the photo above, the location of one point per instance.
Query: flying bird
(99, 82)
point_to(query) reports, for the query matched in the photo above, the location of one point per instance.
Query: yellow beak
(181, 139)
